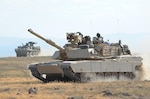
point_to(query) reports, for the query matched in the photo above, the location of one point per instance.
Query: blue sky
(128, 20)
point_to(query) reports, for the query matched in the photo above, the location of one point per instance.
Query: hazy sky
(56, 17)
(53, 18)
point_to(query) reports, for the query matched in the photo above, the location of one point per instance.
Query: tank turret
(84, 59)
(79, 47)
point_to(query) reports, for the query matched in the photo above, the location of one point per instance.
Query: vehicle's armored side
(27, 50)
(83, 59)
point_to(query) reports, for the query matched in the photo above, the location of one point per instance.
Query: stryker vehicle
(27, 50)
(85, 60)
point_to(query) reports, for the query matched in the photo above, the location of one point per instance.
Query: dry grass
(15, 82)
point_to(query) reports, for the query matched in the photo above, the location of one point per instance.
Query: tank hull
(88, 70)
(26, 53)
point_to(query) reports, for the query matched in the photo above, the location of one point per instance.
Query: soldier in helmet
(98, 39)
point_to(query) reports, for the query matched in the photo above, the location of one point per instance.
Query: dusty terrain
(17, 83)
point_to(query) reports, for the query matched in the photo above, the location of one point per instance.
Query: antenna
(118, 28)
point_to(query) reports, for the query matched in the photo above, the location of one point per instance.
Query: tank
(27, 50)
(85, 60)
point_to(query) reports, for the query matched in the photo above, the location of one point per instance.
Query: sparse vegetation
(16, 81)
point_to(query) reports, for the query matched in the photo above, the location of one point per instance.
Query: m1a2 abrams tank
(84, 60)
(27, 50)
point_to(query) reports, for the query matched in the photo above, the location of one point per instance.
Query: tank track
(83, 77)
(90, 77)
(36, 74)
(67, 74)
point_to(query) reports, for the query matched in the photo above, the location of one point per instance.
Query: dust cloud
(146, 66)
(45, 52)
(145, 54)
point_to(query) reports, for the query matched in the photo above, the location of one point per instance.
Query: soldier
(98, 39)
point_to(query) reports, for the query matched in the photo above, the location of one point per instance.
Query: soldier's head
(98, 35)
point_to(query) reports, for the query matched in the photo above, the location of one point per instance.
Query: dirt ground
(17, 83)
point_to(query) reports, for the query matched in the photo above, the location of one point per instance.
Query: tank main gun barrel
(46, 40)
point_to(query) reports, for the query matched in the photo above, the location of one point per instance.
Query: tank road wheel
(28, 54)
(32, 53)
(107, 75)
(127, 75)
(132, 76)
(114, 75)
(18, 55)
(100, 76)
(83, 77)
(87, 77)
(121, 76)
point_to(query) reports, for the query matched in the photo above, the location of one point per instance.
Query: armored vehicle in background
(84, 60)
(27, 50)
